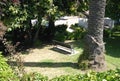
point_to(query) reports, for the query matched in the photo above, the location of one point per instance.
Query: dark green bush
(107, 33)
(116, 28)
(112, 32)
(34, 77)
(61, 33)
(116, 31)
(78, 33)
(6, 73)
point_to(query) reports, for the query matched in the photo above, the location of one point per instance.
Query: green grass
(113, 52)
(112, 47)
(112, 62)
(56, 63)
(47, 60)
(112, 55)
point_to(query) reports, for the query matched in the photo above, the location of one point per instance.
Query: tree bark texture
(94, 45)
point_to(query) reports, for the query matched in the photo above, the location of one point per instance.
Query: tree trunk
(94, 45)
(36, 34)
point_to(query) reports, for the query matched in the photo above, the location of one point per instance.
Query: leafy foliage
(78, 33)
(34, 77)
(83, 5)
(112, 32)
(19, 15)
(6, 73)
(91, 76)
(62, 35)
(112, 9)
(66, 6)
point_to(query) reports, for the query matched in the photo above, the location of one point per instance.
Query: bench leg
(72, 51)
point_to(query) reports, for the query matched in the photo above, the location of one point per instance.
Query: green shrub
(61, 33)
(65, 78)
(112, 32)
(60, 37)
(107, 32)
(34, 77)
(116, 31)
(78, 33)
(37, 43)
(116, 28)
(6, 73)
(111, 75)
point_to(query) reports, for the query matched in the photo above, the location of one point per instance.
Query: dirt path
(49, 62)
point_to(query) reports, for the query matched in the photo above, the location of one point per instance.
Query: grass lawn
(53, 63)
(112, 47)
(113, 52)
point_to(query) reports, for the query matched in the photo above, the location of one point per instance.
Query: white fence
(72, 20)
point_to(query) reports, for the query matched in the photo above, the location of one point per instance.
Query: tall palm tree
(94, 46)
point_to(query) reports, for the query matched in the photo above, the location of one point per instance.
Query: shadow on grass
(78, 44)
(48, 64)
(27, 51)
(113, 46)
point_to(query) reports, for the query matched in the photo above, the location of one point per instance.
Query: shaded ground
(50, 62)
(113, 46)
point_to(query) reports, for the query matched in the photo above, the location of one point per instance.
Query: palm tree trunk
(94, 45)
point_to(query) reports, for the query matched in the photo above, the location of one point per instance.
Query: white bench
(63, 46)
